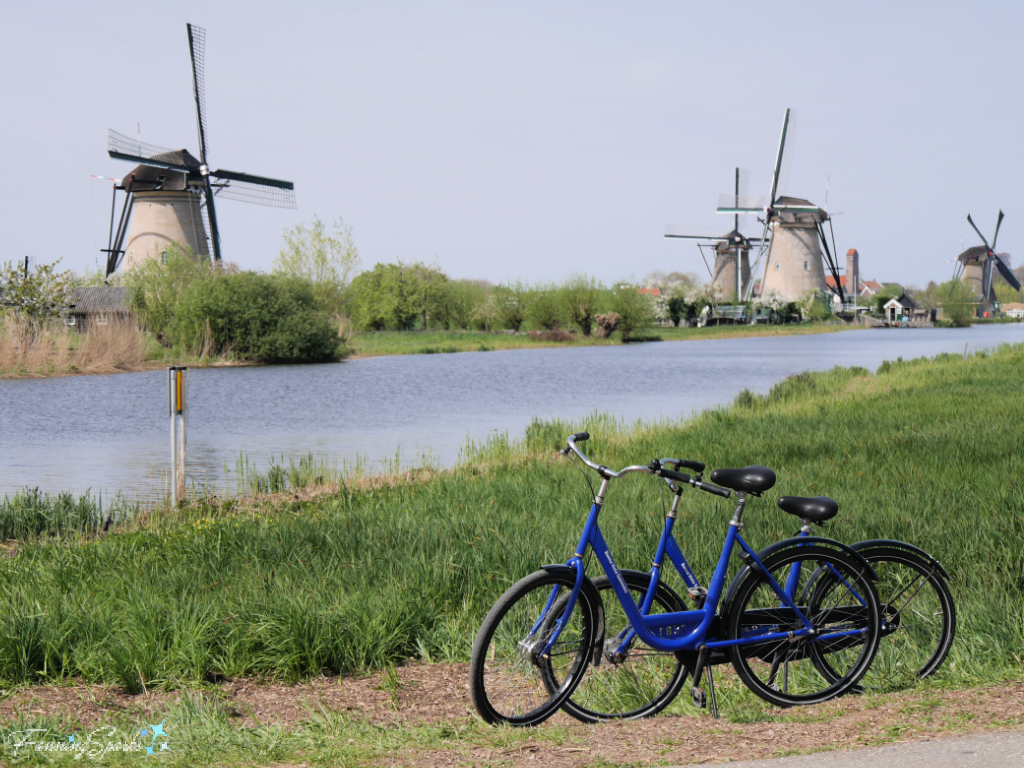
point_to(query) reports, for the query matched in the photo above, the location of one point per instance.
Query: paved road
(990, 751)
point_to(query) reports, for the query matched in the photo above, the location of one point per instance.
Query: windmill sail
(253, 189)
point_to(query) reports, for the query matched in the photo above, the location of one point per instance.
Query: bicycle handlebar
(653, 468)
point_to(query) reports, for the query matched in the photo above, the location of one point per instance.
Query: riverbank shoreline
(392, 344)
(387, 344)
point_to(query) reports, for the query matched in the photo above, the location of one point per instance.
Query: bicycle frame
(682, 630)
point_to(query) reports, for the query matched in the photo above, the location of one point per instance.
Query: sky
(528, 140)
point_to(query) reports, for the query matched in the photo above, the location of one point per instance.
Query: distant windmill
(732, 249)
(170, 196)
(974, 266)
(793, 242)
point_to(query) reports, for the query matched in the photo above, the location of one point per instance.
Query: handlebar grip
(679, 477)
(725, 493)
(696, 466)
(581, 437)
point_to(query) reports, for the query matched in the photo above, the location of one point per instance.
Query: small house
(903, 309)
(1015, 309)
(98, 305)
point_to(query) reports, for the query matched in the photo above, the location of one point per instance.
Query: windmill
(974, 266)
(732, 249)
(793, 244)
(170, 196)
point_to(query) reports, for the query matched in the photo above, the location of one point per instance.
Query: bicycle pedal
(700, 699)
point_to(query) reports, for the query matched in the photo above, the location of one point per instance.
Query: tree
(511, 302)
(958, 303)
(580, 296)
(326, 260)
(394, 296)
(41, 294)
(544, 309)
(635, 310)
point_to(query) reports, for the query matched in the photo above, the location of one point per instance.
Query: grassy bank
(927, 451)
(374, 344)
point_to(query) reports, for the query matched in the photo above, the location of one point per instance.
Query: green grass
(372, 344)
(925, 451)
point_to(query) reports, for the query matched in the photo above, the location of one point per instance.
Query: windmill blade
(1007, 274)
(780, 177)
(730, 202)
(693, 233)
(253, 189)
(121, 147)
(996, 235)
(197, 52)
(971, 222)
(743, 182)
(986, 279)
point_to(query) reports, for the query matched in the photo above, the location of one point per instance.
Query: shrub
(258, 317)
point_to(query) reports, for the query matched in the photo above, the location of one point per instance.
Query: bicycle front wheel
(632, 680)
(510, 676)
(841, 604)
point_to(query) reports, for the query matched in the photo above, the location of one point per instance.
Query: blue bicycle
(537, 642)
(918, 614)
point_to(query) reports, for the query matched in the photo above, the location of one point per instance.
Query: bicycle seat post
(737, 516)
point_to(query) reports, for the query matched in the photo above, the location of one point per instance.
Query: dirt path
(438, 694)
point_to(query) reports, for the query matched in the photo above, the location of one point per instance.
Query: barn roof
(101, 298)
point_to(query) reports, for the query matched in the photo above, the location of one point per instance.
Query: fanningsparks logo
(94, 744)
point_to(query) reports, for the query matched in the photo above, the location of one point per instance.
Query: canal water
(110, 434)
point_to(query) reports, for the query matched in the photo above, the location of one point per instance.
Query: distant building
(868, 288)
(903, 309)
(98, 305)
(1014, 310)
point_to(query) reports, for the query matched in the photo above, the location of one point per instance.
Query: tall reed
(51, 348)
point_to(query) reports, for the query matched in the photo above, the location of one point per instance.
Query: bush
(258, 317)
(201, 308)
(325, 260)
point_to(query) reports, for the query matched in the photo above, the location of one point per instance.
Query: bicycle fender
(595, 599)
(866, 546)
(786, 544)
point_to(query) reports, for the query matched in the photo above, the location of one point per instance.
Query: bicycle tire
(842, 598)
(918, 620)
(505, 664)
(642, 683)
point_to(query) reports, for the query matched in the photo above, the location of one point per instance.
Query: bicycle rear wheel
(632, 682)
(510, 680)
(841, 604)
(918, 619)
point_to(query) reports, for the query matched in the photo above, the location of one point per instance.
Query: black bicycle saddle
(753, 479)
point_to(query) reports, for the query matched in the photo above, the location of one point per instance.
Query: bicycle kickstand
(711, 690)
